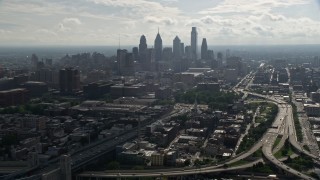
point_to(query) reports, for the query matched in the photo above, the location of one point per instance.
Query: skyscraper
(194, 44)
(227, 53)
(158, 48)
(69, 80)
(125, 62)
(135, 52)
(219, 59)
(167, 54)
(65, 167)
(187, 52)
(182, 49)
(143, 49)
(177, 48)
(204, 49)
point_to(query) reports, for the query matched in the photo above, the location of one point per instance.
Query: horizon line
(95, 45)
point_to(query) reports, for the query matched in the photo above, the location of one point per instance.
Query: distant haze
(245, 51)
(103, 22)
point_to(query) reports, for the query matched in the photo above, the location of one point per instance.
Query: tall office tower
(177, 48)
(48, 62)
(227, 53)
(219, 59)
(210, 54)
(149, 59)
(143, 49)
(135, 52)
(65, 167)
(34, 61)
(167, 54)
(69, 80)
(204, 49)
(33, 159)
(316, 61)
(158, 48)
(125, 63)
(188, 52)
(182, 49)
(194, 44)
(121, 56)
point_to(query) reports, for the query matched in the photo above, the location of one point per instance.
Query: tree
(187, 162)
(225, 166)
(9, 139)
(113, 165)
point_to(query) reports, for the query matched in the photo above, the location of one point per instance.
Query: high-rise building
(125, 62)
(121, 56)
(158, 48)
(316, 61)
(210, 54)
(150, 56)
(188, 52)
(227, 53)
(34, 60)
(177, 48)
(65, 167)
(204, 49)
(167, 54)
(135, 52)
(69, 80)
(219, 59)
(182, 49)
(143, 49)
(194, 44)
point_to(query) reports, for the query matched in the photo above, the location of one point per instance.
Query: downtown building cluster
(59, 106)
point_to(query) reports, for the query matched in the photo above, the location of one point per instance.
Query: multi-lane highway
(271, 137)
(92, 151)
(266, 142)
(162, 173)
(285, 127)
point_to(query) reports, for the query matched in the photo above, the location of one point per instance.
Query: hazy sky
(99, 22)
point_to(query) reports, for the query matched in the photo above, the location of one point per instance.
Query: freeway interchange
(284, 126)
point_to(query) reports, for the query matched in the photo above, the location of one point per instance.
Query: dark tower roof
(143, 40)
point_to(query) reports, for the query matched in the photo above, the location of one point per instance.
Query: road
(92, 151)
(271, 138)
(161, 173)
(283, 122)
(194, 170)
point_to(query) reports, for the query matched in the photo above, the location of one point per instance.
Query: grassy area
(297, 123)
(285, 151)
(264, 168)
(301, 163)
(238, 163)
(258, 153)
(281, 153)
(277, 141)
(306, 148)
(260, 119)
(255, 133)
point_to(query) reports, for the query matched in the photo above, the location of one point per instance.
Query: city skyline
(101, 22)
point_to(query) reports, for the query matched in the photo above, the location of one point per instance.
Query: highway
(92, 151)
(271, 137)
(162, 173)
(285, 127)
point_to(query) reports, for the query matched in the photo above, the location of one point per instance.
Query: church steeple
(195, 108)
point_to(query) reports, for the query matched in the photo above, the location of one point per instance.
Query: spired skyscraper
(158, 48)
(194, 44)
(204, 49)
